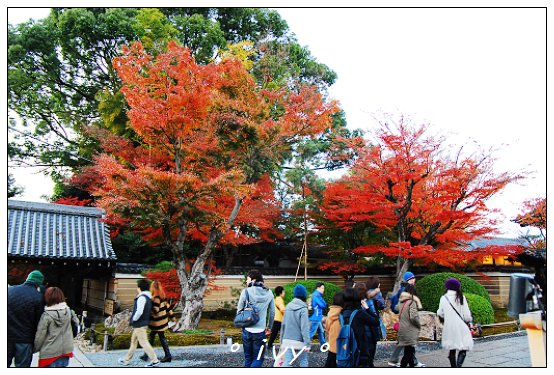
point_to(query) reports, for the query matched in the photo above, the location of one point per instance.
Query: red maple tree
(534, 215)
(427, 202)
(209, 139)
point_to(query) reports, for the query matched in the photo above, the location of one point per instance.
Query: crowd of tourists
(353, 324)
(40, 321)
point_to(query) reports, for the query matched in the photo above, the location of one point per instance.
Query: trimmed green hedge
(330, 290)
(431, 288)
(480, 308)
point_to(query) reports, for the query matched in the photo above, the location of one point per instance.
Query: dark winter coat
(25, 307)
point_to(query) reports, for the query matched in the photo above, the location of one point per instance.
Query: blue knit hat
(408, 276)
(300, 291)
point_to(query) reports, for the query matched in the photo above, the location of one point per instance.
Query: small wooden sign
(109, 306)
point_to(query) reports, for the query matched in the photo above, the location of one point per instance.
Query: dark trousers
(275, 329)
(21, 353)
(372, 351)
(163, 341)
(408, 358)
(331, 359)
(252, 344)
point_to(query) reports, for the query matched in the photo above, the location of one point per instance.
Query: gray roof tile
(47, 230)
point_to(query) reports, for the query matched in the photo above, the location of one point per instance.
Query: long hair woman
(54, 337)
(159, 319)
(456, 336)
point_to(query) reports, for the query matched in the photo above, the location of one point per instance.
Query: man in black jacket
(25, 306)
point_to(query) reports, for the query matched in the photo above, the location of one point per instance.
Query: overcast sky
(477, 76)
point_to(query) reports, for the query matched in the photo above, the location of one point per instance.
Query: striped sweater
(161, 313)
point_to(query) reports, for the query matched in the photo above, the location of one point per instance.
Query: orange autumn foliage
(432, 202)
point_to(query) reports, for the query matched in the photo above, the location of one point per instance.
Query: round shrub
(480, 308)
(310, 285)
(431, 288)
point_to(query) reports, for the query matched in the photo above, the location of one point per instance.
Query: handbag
(248, 316)
(396, 325)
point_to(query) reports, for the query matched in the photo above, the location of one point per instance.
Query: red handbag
(397, 324)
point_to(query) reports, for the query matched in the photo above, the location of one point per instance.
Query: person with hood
(409, 324)
(295, 331)
(318, 305)
(453, 308)
(159, 319)
(54, 337)
(140, 318)
(332, 327)
(25, 308)
(253, 336)
(279, 311)
(408, 279)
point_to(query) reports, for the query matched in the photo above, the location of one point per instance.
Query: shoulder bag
(248, 316)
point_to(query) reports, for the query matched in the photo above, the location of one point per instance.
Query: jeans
(317, 326)
(60, 362)
(254, 347)
(163, 341)
(21, 353)
(301, 360)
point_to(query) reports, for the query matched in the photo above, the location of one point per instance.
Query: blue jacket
(395, 298)
(318, 304)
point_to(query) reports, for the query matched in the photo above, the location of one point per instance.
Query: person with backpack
(332, 327)
(295, 331)
(408, 279)
(318, 305)
(159, 319)
(409, 324)
(140, 317)
(279, 311)
(456, 335)
(352, 340)
(54, 337)
(253, 336)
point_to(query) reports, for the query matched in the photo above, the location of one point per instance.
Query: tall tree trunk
(194, 285)
(402, 265)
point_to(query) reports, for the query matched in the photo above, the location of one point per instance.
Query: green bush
(480, 308)
(330, 290)
(431, 288)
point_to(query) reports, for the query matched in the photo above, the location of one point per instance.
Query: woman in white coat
(456, 335)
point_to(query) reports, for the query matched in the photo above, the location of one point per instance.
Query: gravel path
(222, 356)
